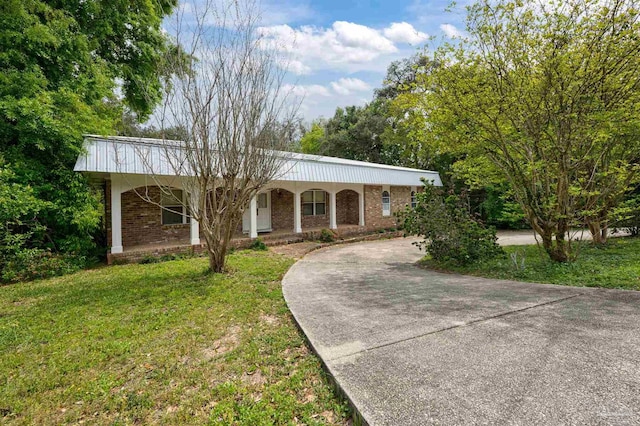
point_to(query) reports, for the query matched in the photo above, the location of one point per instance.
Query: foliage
(614, 265)
(327, 236)
(497, 208)
(160, 344)
(627, 215)
(258, 244)
(59, 64)
(547, 93)
(450, 233)
(311, 141)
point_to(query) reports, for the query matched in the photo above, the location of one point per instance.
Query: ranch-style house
(314, 192)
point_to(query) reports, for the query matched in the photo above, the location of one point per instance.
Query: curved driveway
(413, 347)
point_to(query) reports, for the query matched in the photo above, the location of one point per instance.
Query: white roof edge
(292, 155)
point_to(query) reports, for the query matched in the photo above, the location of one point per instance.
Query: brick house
(315, 192)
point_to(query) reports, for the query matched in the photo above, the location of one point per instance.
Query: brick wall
(281, 210)
(142, 221)
(347, 207)
(400, 197)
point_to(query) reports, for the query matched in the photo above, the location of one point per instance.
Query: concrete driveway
(414, 347)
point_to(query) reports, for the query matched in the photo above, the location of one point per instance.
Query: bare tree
(226, 93)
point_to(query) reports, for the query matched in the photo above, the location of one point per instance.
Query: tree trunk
(599, 232)
(558, 251)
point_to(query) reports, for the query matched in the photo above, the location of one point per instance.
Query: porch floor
(277, 237)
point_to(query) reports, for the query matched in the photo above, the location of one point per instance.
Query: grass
(616, 265)
(161, 343)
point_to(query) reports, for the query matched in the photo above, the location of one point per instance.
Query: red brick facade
(400, 197)
(142, 221)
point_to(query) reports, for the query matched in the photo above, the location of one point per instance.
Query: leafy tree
(312, 140)
(548, 93)
(60, 65)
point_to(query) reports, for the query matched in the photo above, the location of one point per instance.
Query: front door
(264, 214)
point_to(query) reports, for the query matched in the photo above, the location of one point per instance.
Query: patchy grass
(162, 343)
(617, 265)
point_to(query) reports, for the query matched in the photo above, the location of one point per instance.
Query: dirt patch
(269, 319)
(254, 378)
(296, 250)
(226, 343)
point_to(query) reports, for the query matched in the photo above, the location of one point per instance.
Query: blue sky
(337, 51)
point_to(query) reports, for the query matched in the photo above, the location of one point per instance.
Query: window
(173, 209)
(386, 203)
(262, 201)
(314, 203)
(414, 202)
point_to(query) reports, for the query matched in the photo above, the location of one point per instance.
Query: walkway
(414, 347)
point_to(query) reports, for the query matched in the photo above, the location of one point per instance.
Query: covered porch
(282, 210)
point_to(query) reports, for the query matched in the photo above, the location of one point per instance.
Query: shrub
(450, 233)
(627, 215)
(258, 244)
(31, 264)
(326, 236)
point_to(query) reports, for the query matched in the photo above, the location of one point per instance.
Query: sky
(337, 52)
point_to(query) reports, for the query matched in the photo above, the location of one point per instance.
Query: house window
(173, 208)
(414, 201)
(314, 203)
(386, 203)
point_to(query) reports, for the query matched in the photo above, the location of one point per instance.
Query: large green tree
(61, 65)
(548, 92)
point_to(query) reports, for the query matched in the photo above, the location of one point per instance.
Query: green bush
(258, 244)
(31, 264)
(627, 215)
(450, 233)
(326, 236)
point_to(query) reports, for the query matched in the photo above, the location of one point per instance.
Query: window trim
(313, 203)
(167, 207)
(387, 211)
(414, 198)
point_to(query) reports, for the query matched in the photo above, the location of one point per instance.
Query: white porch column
(361, 206)
(333, 223)
(116, 217)
(297, 214)
(253, 214)
(195, 225)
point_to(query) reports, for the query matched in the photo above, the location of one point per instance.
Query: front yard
(162, 344)
(616, 265)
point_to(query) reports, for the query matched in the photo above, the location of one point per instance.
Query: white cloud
(451, 31)
(342, 43)
(346, 86)
(305, 91)
(403, 32)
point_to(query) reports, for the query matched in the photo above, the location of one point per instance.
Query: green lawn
(617, 265)
(163, 344)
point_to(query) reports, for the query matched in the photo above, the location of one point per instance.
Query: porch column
(116, 217)
(195, 225)
(333, 223)
(253, 214)
(361, 207)
(297, 218)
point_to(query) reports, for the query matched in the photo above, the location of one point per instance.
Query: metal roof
(116, 154)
